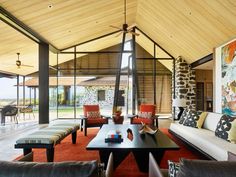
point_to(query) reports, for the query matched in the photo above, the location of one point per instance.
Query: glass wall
(27, 95)
(8, 93)
(80, 78)
(95, 80)
(53, 86)
(66, 86)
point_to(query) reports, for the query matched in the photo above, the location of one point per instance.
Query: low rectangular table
(140, 145)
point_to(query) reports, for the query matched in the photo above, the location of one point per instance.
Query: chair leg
(85, 127)
(3, 120)
(16, 120)
(82, 123)
(131, 120)
(85, 131)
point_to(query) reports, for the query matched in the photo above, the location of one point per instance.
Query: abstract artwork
(228, 60)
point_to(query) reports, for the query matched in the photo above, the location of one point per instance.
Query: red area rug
(66, 151)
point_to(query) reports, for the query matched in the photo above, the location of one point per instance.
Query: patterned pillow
(195, 119)
(224, 126)
(232, 132)
(145, 115)
(93, 114)
(173, 168)
(183, 116)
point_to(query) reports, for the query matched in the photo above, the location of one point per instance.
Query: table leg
(74, 135)
(50, 154)
(82, 124)
(27, 151)
(158, 155)
(142, 158)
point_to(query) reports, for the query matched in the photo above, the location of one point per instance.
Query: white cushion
(211, 121)
(205, 140)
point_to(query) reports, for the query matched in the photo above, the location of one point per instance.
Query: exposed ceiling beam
(202, 60)
(154, 42)
(94, 39)
(96, 52)
(7, 74)
(146, 58)
(12, 21)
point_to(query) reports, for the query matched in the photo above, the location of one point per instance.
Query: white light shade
(179, 102)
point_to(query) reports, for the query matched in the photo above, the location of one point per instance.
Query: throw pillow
(201, 119)
(93, 114)
(173, 168)
(145, 115)
(231, 156)
(223, 127)
(195, 119)
(232, 132)
(183, 116)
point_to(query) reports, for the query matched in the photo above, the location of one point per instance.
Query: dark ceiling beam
(154, 42)
(202, 61)
(94, 39)
(12, 21)
(7, 74)
(95, 52)
(154, 58)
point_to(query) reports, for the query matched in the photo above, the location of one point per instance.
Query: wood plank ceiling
(187, 28)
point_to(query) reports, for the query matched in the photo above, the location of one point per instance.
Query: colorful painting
(228, 56)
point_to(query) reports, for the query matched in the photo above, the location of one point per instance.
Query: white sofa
(204, 139)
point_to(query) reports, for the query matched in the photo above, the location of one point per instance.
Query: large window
(101, 95)
(90, 78)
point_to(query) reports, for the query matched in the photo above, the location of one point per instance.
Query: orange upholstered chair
(146, 115)
(92, 117)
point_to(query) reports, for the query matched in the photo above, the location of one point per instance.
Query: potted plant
(118, 111)
(117, 118)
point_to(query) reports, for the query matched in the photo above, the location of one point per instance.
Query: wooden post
(117, 85)
(135, 87)
(154, 76)
(43, 83)
(17, 92)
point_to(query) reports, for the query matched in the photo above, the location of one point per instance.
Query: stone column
(185, 84)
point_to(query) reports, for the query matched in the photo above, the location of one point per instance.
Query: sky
(8, 89)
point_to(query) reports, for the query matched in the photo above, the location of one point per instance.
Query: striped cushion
(49, 135)
(38, 139)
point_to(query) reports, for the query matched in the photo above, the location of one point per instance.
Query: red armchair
(92, 118)
(146, 115)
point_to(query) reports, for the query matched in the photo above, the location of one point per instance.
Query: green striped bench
(48, 138)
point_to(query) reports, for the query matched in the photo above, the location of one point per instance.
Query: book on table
(114, 136)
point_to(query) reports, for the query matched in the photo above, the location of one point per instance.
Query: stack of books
(114, 137)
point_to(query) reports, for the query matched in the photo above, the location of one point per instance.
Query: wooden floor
(11, 132)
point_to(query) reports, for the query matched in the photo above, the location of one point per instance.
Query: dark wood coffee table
(140, 146)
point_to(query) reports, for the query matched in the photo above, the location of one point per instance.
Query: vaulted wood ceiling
(187, 28)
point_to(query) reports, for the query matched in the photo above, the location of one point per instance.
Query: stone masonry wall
(185, 84)
(91, 97)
